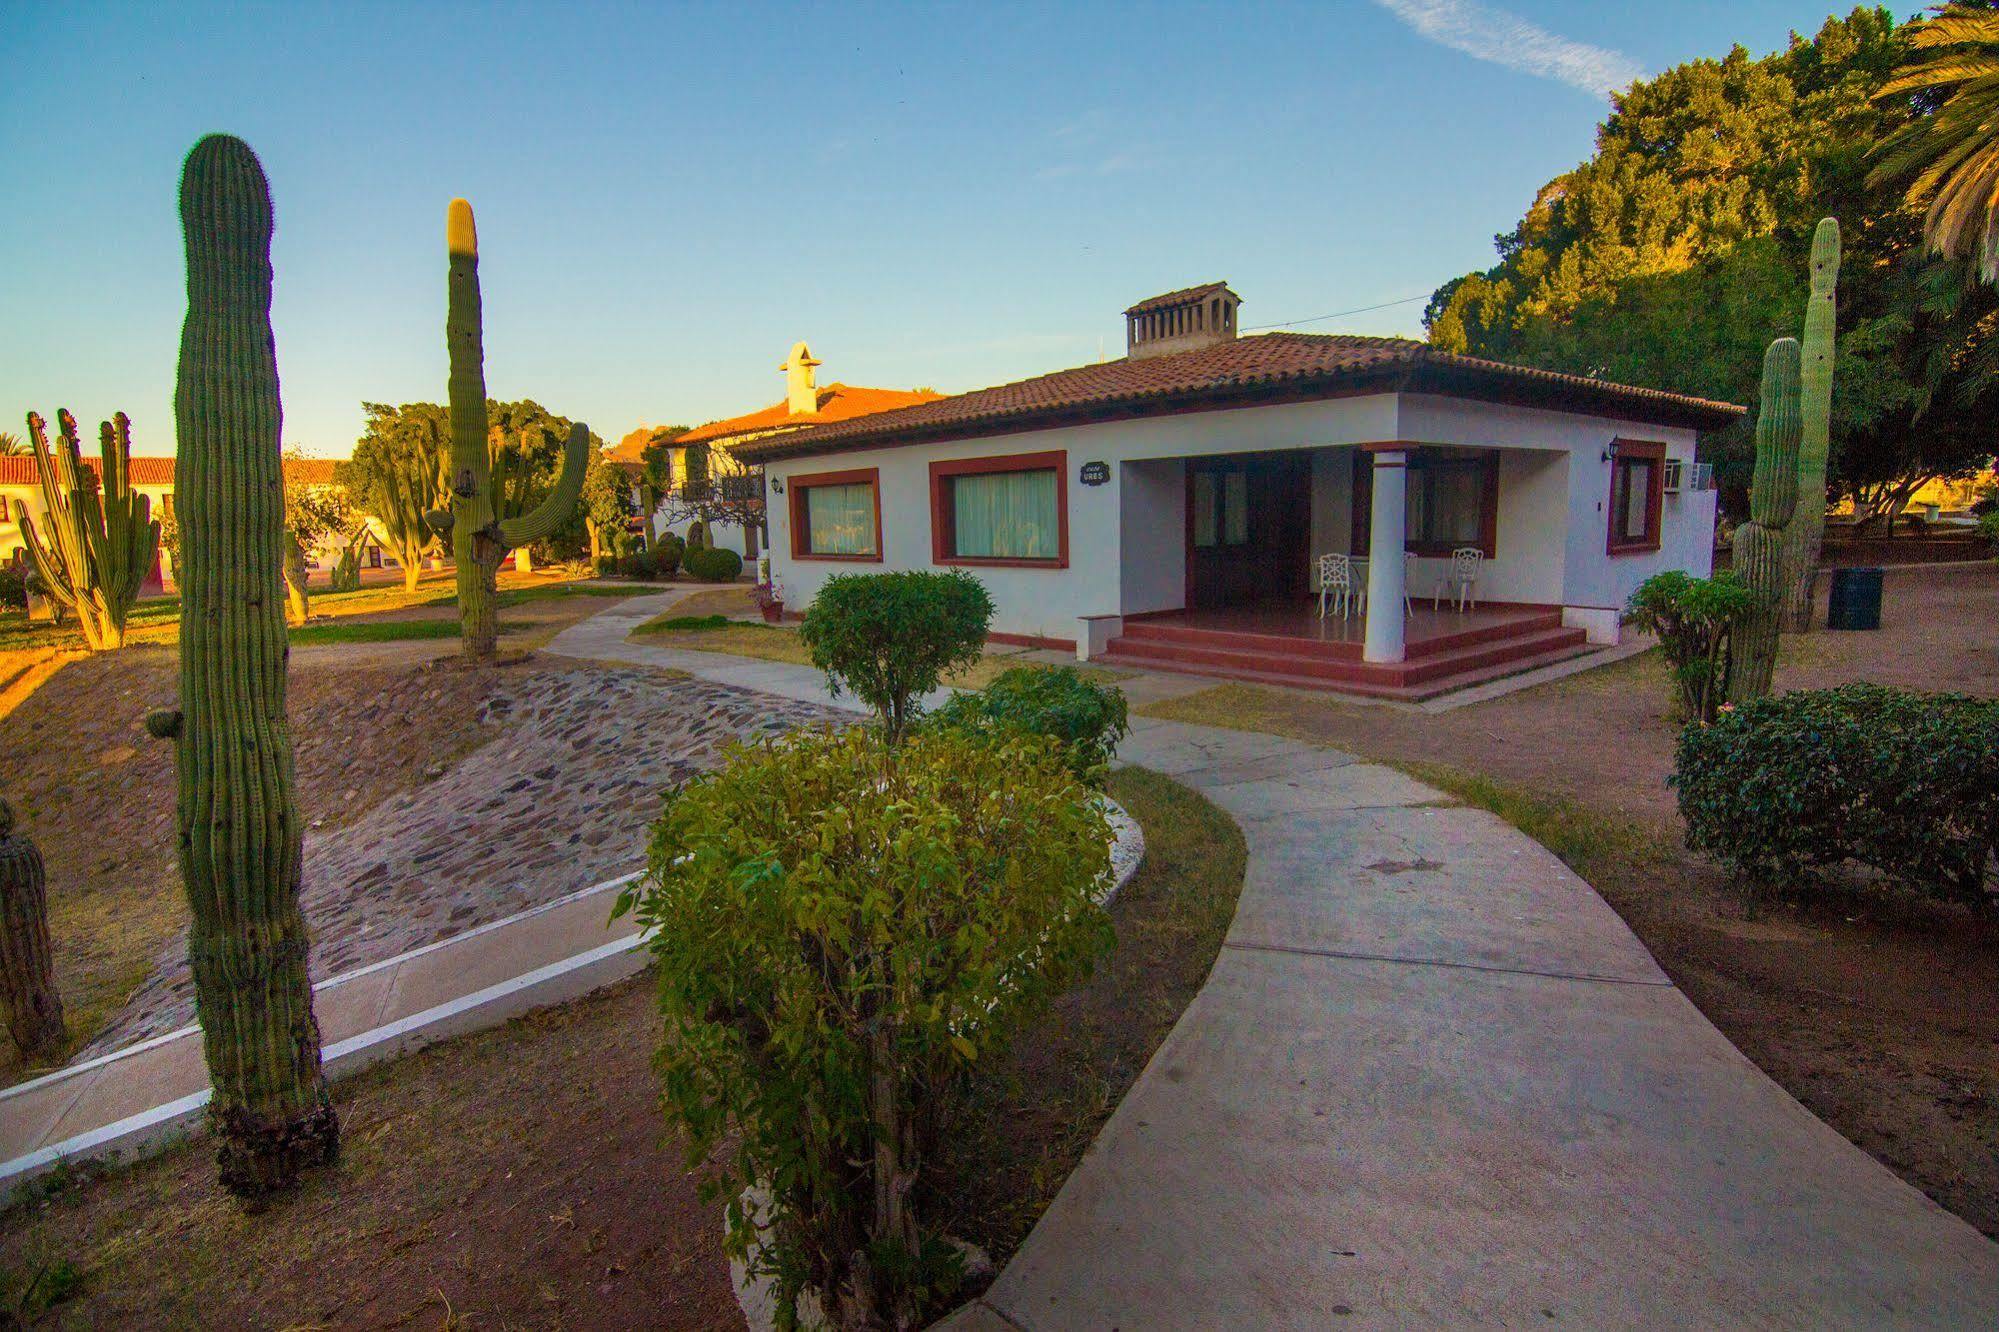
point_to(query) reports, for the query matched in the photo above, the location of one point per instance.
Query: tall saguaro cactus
(1773, 509)
(240, 834)
(27, 971)
(480, 537)
(99, 548)
(1802, 537)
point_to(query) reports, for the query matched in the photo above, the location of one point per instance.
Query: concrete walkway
(1433, 1079)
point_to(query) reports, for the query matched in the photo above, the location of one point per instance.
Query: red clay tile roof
(158, 471)
(1184, 296)
(837, 402)
(1243, 372)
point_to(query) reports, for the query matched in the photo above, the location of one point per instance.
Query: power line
(1337, 314)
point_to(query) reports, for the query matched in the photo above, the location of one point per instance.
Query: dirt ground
(523, 1177)
(97, 794)
(1880, 1014)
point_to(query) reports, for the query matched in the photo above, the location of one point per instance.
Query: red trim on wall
(1033, 641)
(1654, 452)
(942, 516)
(796, 486)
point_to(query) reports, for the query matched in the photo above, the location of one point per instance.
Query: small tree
(892, 638)
(313, 513)
(396, 476)
(1693, 618)
(843, 930)
(718, 488)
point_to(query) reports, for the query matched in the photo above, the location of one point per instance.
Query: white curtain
(840, 520)
(1006, 516)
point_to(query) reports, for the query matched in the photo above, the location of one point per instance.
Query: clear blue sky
(668, 196)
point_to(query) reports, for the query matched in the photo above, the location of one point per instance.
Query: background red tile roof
(157, 471)
(837, 402)
(1240, 372)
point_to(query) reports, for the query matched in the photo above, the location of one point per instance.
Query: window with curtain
(1447, 501)
(840, 520)
(1006, 515)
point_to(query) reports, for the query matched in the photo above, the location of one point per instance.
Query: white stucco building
(1171, 507)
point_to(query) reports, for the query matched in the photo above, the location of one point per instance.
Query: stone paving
(559, 799)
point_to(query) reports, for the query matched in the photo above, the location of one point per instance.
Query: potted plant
(770, 600)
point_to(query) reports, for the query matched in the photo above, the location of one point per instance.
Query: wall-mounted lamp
(777, 485)
(1610, 451)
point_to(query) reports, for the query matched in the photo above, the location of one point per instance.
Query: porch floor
(1289, 619)
(1286, 643)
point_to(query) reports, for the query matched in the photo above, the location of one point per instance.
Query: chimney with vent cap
(801, 394)
(1179, 321)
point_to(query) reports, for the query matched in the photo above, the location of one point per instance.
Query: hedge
(1905, 783)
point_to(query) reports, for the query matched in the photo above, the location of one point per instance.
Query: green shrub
(1988, 527)
(640, 564)
(1693, 618)
(697, 534)
(892, 638)
(843, 930)
(1903, 782)
(13, 587)
(711, 565)
(1086, 719)
(669, 550)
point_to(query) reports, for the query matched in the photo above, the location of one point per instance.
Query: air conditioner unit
(1682, 476)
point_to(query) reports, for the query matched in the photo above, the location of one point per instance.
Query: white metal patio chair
(1336, 584)
(1460, 581)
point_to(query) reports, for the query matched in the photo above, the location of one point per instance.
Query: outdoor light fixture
(1610, 451)
(777, 484)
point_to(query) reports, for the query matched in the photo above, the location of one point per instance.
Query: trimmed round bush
(1902, 782)
(844, 930)
(711, 565)
(642, 565)
(1087, 720)
(668, 550)
(891, 638)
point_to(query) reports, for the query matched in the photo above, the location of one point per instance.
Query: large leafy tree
(1678, 251)
(397, 472)
(1949, 157)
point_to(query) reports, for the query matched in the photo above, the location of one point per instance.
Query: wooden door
(1249, 524)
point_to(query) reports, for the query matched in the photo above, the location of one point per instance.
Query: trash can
(1855, 602)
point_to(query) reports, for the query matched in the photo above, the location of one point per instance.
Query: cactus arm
(1803, 535)
(240, 831)
(1759, 544)
(560, 505)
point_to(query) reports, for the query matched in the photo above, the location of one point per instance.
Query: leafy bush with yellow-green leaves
(843, 930)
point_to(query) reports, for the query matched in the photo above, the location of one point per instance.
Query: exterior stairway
(1438, 664)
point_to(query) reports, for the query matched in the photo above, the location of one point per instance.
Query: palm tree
(1950, 157)
(11, 445)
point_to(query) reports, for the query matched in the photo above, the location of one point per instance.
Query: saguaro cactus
(480, 538)
(1802, 537)
(240, 834)
(27, 971)
(1773, 508)
(99, 548)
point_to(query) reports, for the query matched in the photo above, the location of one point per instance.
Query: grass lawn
(358, 630)
(523, 1177)
(1879, 1012)
(700, 629)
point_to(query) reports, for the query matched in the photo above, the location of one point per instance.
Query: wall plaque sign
(1095, 473)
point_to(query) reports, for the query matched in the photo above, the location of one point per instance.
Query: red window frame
(943, 514)
(1362, 519)
(1626, 451)
(801, 532)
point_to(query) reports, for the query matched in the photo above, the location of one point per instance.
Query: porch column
(1385, 571)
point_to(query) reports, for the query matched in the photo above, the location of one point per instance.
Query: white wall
(1127, 545)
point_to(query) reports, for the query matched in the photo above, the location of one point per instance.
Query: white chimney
(801, 394)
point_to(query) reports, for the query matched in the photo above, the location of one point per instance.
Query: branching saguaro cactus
(240, 834)
(1773, 508)
(480, 537)
(27, 968)
(99, 548)
(1801, 539)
